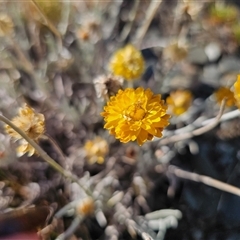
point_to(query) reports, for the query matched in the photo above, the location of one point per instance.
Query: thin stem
(196, 132)
(204, 179)
(225, 117)
(132, 15)
(144, 235)
(121, 211)
(49, 24)
(151, 11)
(53, 142)
(66, 208)
(65, 18)
(23, 60)
(197, 123)
(44, 155)
(69, 232)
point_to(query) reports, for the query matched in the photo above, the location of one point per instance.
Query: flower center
(134, 112)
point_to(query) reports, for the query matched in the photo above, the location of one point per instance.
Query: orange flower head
(237, 91)
(224, 92)
(135, 114)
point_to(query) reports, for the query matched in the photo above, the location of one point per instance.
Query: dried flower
(127, 62)
(135, 114)
(96, 150)
(237, 91)
(175, 52)
(107, 86)
(32, 124)
(6, 25)
(85, 206)
(179, 101)
(224, 92)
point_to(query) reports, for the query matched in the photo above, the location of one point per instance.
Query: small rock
(229, 64)
(197, 56)
(213, 51)
(211, 75)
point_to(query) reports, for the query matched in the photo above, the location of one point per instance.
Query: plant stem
(69, 232)
(44, 155)
(150, 13)
(49, 24)
(131, 18)
(55, 145)
(196, 132)
(204, 179)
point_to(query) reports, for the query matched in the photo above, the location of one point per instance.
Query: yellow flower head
(32, 124)
(237, 91)
(96, 150)
(127, 62)
(135, 114)
(224, 92)
(179, 101)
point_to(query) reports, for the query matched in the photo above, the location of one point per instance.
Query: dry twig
(204, 179)
(196, 132)
(151, 11)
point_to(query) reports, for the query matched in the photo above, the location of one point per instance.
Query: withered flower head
(6, 25)
(175, 52)
(32, 124)
(107, 86)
